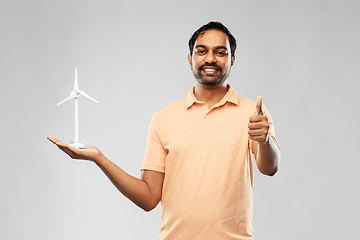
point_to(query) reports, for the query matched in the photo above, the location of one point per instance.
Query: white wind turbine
(75, 94)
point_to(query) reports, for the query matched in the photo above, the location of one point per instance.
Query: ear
(232, 60)
(190, 61)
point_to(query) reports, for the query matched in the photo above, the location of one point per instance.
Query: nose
(210, 57)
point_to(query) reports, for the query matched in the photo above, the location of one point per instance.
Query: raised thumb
(258, 105)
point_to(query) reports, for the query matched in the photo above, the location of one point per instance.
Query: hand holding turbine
(75, 94)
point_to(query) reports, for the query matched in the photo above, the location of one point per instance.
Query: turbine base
(77, 145)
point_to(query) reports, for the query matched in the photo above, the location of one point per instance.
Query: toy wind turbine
(75, 94)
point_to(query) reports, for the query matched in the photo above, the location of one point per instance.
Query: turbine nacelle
(76, 93)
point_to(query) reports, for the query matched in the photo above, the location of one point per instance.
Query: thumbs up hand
(258, 124)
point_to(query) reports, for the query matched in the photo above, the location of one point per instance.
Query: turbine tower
(75, 94)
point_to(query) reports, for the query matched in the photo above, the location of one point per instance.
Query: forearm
(145, 192)
(268, 157)
(131, 187)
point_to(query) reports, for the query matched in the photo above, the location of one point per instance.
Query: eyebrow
(217, 47)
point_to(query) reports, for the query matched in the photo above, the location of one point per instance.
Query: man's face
(211, 60)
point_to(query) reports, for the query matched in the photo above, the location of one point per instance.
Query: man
(198, 155)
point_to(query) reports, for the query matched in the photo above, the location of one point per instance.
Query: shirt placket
(205, 110)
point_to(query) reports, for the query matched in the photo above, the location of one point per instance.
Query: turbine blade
(72, 96)
(76, 84)
(85, 95)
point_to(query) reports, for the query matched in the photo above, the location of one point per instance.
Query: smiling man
(211, 63)
(199, 151)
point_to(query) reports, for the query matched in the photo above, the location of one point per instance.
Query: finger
(68, 149)
(258, 135)
(258, 105)
(259, 124)
(258, 118)
(53, 140)
(256, 132)
(57, 142)
(254, 126)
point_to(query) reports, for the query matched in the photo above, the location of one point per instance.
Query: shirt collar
(230, 96)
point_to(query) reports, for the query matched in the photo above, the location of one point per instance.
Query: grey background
(301, 56)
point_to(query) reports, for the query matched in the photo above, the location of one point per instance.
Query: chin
(210, 81)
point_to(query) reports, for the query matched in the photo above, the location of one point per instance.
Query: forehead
(213, 38)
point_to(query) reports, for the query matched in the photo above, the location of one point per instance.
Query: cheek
(196, 61)
(226, 64)
(195, 65)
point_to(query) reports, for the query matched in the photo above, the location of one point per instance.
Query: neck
(210, 94)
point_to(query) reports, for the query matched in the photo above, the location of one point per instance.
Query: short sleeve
(155, 153)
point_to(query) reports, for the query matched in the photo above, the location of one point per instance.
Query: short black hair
(213, 25)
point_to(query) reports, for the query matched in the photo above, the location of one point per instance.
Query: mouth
(210, 70)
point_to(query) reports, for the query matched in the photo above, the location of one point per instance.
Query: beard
(215, 81)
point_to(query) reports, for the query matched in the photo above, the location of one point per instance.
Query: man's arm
(267, 156)
(145, 192)
(264, 146)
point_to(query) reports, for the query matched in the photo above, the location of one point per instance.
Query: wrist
(267, 141)
(98, 158)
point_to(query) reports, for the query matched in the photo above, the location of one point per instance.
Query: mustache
(209, 65)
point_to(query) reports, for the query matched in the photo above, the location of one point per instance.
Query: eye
(200, 52)
(221, 53)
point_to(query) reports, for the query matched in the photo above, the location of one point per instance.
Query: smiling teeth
(209, 70)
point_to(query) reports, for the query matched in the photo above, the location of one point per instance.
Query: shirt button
(206, 116)
(204, 107)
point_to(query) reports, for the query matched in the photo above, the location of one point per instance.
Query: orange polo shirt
(206, 157)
